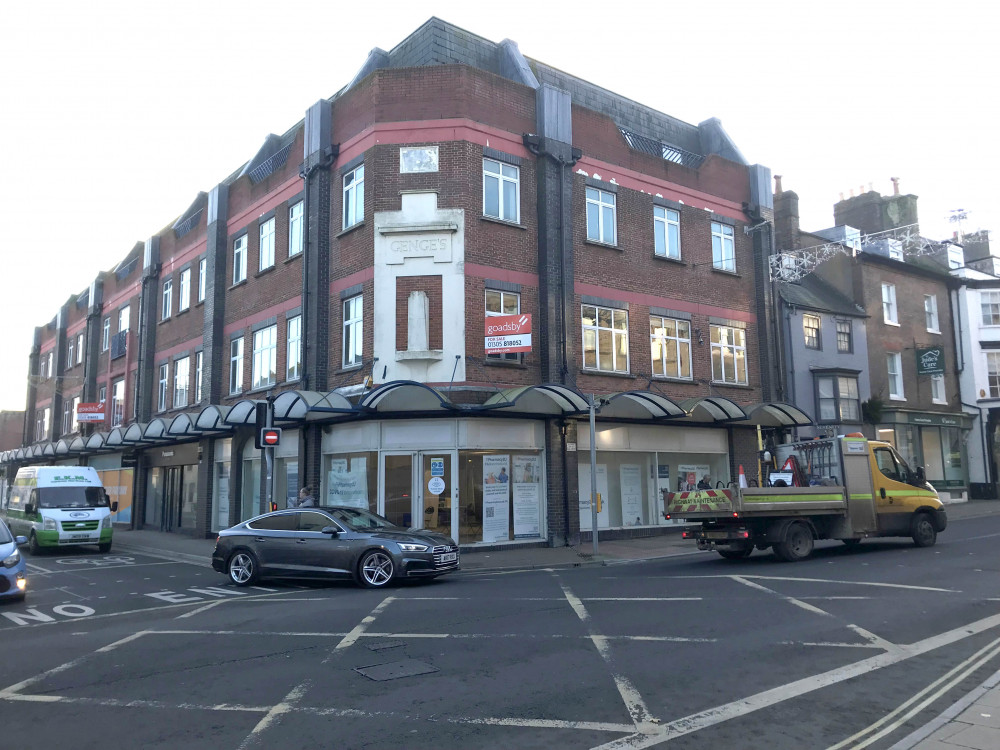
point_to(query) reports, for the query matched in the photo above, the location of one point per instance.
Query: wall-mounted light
(697, 333)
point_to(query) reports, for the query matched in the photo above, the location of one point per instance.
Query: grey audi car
(331, 542)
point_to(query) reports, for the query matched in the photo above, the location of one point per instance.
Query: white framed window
(354, 196)
(889, 314)
(265, 357)
(353, 330)
(182, 378)
(501, 191)
(70, 351)
(894, 367)
(240, 259)
(990, 305)
(937, 389)
(295, 229)
(236, 365)
(837, 399)
(161, 393)
(723, 247)
(74, 425)
(123, 319)
(184, 290)
(266, 244)
(605, 338)
(670, 346)
(117, 403)
(199, 362)
(106, 334)
(67, 418)
(895, 249)
(931, 313)
(202, 279)
(42, 424)
(601, 216)
(993, 373)
(811, 331)
(503, 303)
(729, 354)
(167, 299)
(293, 348)
(845, 337)
(102, 394)
(666, 232)
(956, 256)
(79, 348)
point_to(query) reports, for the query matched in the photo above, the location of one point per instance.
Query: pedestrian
(705, 483)
(306, 499)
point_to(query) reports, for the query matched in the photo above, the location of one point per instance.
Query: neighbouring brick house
(346, 273)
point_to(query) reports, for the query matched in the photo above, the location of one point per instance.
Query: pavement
(971, 722)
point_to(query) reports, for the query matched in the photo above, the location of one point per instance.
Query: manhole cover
(395, 670)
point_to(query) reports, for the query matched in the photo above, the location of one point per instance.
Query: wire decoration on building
(905, 241)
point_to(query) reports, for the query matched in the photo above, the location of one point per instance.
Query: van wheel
(798, 544)
(104, 548)
(33, 546)
(923, 532)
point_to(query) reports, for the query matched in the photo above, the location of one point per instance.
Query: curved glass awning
(297, 406)
(777, 414)
(405, 396)
(713, 409)
(639, 405)
(547, 399)
(243, 412)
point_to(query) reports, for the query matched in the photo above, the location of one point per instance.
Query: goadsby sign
(930, 361)
(508, 333)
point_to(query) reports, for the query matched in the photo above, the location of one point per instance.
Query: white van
(59, 506)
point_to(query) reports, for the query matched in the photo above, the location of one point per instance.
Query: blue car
(13, 579)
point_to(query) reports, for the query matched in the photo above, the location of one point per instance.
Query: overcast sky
(115, 115)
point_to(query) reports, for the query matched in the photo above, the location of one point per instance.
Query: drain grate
(395, 670)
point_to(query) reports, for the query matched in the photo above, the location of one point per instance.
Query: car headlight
(413, 547)
(49, 524)
(12, 559)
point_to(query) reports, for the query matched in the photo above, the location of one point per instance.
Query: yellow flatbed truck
(849, 488)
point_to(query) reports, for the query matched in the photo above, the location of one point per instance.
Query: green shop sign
(930, 361)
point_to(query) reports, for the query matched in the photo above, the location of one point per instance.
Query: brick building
(344, 276)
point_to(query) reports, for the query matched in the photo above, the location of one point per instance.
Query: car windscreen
(72, 497)
(357, 519)
(5, 537)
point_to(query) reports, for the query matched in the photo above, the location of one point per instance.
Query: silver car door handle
(260, 539)
(301, 541)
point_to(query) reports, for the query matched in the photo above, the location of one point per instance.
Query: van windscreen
(72, 497)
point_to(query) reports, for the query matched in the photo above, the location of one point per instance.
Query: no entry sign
(508, 333)
(270, 437)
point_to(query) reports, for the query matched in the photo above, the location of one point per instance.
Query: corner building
(346, 272)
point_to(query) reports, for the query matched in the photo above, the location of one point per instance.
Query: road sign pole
(593, 473)
(269, 458)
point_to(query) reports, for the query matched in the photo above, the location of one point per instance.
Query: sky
(116, 114)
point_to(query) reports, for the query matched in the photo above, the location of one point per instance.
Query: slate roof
(813, 293)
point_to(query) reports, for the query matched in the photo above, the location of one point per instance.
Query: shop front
(480, 481)
(171, 499)
(636, 463)
(935, 441)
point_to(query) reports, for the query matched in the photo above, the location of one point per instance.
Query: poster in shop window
(691, 474)
(348, 486)
(526, 472)
(631, 482)
(496, 498)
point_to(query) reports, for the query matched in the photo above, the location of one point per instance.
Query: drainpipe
(791, 363)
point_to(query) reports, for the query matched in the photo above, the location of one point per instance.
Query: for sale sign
(90, 412)
(508, 333)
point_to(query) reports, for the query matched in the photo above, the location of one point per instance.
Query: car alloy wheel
(376, 569)
(242, 568)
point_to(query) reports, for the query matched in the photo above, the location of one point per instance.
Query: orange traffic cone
(743, 477)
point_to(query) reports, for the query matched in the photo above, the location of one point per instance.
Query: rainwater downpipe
(960, 368)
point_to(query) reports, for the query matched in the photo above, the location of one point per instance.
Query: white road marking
(361, 627)
(876, 640)
(744, 706)
(827, 580)
(636, 706)
(261, 588)
(790, 599)
(274, 714)
(207, 607)
(36, 569)
(929, 694)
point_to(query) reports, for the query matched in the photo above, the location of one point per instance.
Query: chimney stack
(777, 184)
(895, 185)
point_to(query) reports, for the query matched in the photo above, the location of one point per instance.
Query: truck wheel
(923, 532)
(736, 553)
(798, 544)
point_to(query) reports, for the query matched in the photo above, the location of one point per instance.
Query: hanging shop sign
(90, 412)
(508, 333)
(930, 361)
